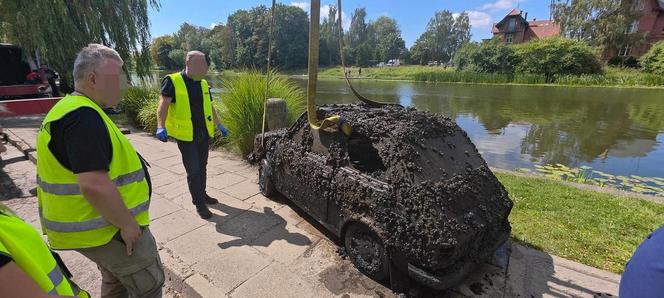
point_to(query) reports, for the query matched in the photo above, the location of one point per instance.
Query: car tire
(265, 183)
(367, 251)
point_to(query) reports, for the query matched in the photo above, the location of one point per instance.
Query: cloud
(213, 25)
(480, 19)
(501, 5)
(303, 5)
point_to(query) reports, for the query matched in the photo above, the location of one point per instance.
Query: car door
(306, 178)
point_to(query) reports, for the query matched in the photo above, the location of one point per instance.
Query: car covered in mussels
(407, 190)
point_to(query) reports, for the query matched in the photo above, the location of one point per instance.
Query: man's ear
(91, 78)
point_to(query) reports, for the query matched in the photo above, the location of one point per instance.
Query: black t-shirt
(81, 143)
(195, 93)
(4, 260)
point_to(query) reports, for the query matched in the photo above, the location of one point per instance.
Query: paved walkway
(257, 247)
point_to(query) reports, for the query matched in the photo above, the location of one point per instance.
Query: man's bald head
(196, 65)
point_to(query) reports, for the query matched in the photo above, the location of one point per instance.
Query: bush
(491, 56)
(653, 61)
(557, 56)
(242, 105)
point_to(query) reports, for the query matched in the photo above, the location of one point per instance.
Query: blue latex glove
(162, 135)
(223, 130)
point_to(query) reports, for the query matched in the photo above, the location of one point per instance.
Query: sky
(411, 15)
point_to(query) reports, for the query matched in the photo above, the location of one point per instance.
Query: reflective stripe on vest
(178, 121)
(92, 224)
(73, 189)
(67, 218)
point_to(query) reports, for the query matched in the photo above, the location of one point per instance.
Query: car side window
(363, 155)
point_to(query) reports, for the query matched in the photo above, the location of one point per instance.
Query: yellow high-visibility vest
(23, 244)
(178, 121)
(67, 218)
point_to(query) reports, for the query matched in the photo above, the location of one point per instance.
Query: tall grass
(242, 105)
(135, 99)
(611, 76)
(477, 77)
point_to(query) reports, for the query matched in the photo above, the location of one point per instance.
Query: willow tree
(58, 29)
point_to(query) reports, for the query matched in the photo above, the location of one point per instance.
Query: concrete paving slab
(248, 225)
(173, 190)
(284, 243)
(178, 169)
(278, 281)
(242, 190)
(175, 225)
(198, 286)
(168, 162)
(259, 202)
(224, 180)
(532, 272)
(161, 207)
(229, 268)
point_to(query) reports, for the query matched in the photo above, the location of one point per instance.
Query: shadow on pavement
(8, 189)
(254, 228)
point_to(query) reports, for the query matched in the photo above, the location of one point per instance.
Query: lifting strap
(369, 102)
(267, 79)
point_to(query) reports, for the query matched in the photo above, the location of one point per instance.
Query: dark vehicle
(406, 191)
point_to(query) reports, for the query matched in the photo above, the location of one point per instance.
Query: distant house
(515, 28)
(651, 24)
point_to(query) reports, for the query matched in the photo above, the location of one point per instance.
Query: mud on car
(407, 190)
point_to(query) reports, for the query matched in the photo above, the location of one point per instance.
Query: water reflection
(614, 130)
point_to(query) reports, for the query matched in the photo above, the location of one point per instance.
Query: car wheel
(265, 183)
(366, 251)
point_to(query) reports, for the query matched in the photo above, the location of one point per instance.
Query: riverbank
(612, 77)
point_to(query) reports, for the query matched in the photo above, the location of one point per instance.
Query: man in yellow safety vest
(185, 113)
(93, 187)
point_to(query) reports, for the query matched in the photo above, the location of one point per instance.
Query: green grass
(612, 76)
(597, 229)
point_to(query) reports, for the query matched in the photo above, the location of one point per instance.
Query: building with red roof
(515, 28)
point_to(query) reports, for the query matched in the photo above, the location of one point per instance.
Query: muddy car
(407, 191)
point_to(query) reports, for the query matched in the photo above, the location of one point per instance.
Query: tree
(159, 50)
(291, 37)
(388, 41)
(420, 52)
(59, 29)
(606, 23)
(177, 57)
(653, 60)
(358, 27)
(190, 37)
(329, 38)
(557, 56)
(461, 32)
(251, 31)
(445, 34)
(491, 56)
